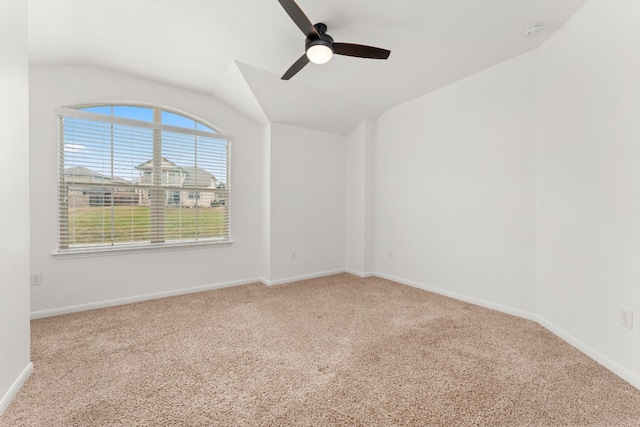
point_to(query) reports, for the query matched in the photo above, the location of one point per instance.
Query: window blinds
(130, 182)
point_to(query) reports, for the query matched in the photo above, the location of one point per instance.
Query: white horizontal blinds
(100, 186)
(156, 197)
(63, 205)
(125, 181)
(196, 180)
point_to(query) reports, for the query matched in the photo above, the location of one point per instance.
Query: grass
(132, 224)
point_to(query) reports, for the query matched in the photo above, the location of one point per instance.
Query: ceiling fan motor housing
(324, 40)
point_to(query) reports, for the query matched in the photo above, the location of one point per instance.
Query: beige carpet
(332, 351)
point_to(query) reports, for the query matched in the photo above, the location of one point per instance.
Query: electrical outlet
(626, 318)
(293, 256)
(390, 254)
(36, 279)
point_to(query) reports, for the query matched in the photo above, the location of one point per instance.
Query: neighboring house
(184, 177)
(83, 196)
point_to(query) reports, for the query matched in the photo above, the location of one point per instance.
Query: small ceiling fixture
(320, 51)
(533, 31)
(319, 54)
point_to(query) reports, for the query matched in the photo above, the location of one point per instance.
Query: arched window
(140, 175)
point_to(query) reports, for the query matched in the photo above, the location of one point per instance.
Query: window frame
(76, 111)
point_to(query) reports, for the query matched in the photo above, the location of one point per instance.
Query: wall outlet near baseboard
(36, 279)
(293, 256)
(626, 318)
(391, 254)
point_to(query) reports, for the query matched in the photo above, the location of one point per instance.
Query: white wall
(589, 181)
(519, 187)
(455, 188)
(81, 283)
(307, 203)
(14, 209)
(359, 199)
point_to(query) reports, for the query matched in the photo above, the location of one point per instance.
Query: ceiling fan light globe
(319, 53)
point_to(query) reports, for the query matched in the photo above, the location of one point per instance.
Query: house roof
(197, 177)
(194, 176)
(81, 171)
(86, 173)
(166, 165)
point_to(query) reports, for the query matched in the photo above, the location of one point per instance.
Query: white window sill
(136, 249)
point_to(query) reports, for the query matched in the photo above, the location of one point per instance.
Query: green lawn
(97, 225)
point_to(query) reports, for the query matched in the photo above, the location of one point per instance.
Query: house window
(140, 175)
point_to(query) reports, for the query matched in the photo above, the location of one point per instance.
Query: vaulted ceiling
(237, 50)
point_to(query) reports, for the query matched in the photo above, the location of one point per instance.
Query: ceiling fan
(319, 46)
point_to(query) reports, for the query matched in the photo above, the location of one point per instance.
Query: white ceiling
(237, 50)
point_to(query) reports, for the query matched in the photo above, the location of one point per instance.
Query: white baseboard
(304, 277)
(614, 367)
(13, 390)
(359, 273)
(128, 300)
(476, 301)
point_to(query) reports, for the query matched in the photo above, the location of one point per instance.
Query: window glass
(200, 126)
(125, 183)
(98, 109)
(173, 119)
(144, 114)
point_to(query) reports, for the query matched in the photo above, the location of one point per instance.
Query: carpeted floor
(332, 351)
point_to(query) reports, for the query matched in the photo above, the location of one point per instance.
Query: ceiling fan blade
(300, 18)
(361, 51)
(297, 66)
